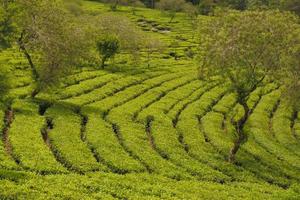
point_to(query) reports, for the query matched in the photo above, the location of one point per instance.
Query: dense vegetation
(105, 101)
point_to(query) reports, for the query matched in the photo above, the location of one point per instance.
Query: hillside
(144, 132)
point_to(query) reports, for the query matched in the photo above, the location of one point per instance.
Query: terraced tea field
(143, 132)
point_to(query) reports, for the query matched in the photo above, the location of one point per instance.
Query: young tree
(108, 47)
(114, 5)
(244, 48)
(134, 4)
(152, 45)
(192, 13)
(49, 38)
(174, 46)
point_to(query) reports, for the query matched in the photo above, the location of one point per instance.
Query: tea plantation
(144, 132)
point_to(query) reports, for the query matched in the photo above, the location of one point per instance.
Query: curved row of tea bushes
(134, 134)
(260, 128)
(6, 161)
(107, 90)
(81, 76)
(102, 139)
(258, 135)
(113, 186)
(66, 143)
(28, 147)
(282, 130)
(166, 138)
(126, 93)
(87, 86)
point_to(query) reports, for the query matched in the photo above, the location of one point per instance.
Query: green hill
(144, 132)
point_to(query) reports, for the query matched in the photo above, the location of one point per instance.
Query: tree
(192, 13)
(51, 40)
(174, 46)
(129, 36)
(243, 48)
(206, 6)
(108, 47)
(240, 4)
(291, 76)
(263, 4)
(171, 7)
(114, 5)
(151, 46)
(134, 4)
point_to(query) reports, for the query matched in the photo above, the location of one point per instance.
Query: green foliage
(108, 47)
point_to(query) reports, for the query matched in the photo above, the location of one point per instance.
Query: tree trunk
(241, 135)
(35, 92)
(28, 57)
(35, 74)
(148, 59)
(172, 17)
(153, 4)
(115, 5)
(103, 62)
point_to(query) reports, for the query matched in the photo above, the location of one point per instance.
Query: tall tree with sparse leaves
(243, 48)
(48, 35)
